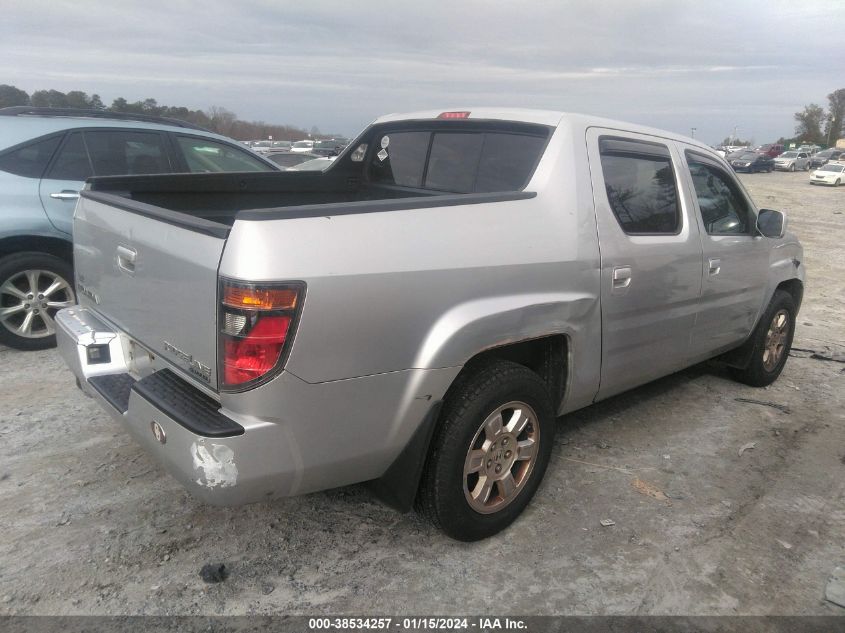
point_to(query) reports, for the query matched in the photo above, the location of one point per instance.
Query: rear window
(640, 184)
(457, 162)
(29, 160)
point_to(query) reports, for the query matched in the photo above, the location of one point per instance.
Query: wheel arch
(51, 245)
(547, 356)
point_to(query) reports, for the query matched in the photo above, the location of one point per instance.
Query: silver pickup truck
(417, 315)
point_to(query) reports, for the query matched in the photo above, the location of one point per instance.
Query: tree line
(216, 118)
(820, 127)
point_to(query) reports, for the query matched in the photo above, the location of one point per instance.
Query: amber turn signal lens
(259, 298)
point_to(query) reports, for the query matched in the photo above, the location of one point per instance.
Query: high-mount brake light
(454, 115)
(256, 328)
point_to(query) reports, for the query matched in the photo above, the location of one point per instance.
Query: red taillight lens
(256, 323)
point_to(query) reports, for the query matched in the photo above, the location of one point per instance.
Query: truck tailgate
(153, 274)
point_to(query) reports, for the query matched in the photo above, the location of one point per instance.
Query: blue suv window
(30, 160)
(72, 162)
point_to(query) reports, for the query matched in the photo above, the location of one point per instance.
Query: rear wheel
(489, 453)
(33, 287)
(772, 339)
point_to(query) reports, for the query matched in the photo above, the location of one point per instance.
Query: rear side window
(205, 155)
(30, 160)
(457, 162)
(72, 161)
(122, 152)
(640, 185)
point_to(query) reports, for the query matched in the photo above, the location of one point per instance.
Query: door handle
(126, 259)
(715, 265)
(622, 277)
(65, 194)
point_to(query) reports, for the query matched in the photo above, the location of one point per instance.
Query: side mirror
(771, 223)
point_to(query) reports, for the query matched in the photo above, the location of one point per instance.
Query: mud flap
(397, 487)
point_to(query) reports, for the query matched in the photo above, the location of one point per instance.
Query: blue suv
(46, 154)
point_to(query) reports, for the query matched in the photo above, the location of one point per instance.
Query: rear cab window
(466, 157)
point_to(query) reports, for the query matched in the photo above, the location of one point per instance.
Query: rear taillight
(256, 324)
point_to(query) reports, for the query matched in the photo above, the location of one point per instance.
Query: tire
(26, 316)
(452, 490)
(837, 183)
(769, 354)
(792, 167)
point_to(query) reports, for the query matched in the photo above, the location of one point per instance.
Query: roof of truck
(542, 117)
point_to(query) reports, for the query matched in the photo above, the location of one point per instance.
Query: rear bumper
(287, 437)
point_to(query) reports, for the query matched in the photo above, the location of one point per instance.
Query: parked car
(829, 174)
(457, 281)
(751, 161)
(824, 156)
(810, 149)
(45, 156)
(792, 160)
(302, 146)
(261, 147)
(771, 149)
(289, 159)
(280, 146)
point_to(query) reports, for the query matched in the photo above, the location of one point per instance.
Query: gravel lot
(91, 525)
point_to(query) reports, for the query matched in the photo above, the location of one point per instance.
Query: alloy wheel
(501, 457)
(776, 339)
(29, 301)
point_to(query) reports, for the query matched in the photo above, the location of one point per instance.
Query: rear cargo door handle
(622, 277)
(126, 259)
(65, 194)
(715, 266)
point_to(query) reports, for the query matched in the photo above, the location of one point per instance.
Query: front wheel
(772, 340)
(33, 287)
(792, 167)
(837, 183)
(489, 452)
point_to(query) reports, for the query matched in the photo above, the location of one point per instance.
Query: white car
(316, 164)
(829, 174)
(792, 161)
(302, 146)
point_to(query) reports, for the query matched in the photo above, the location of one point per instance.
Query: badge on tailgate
(194, 366)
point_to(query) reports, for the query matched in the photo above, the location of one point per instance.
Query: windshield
(748, 155)
(836, 168)
(304, 144)
(789, 155)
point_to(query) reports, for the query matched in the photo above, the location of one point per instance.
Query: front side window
(640, 185)
(30, 160)
(125, 152)
(206, 155)
(722, 205)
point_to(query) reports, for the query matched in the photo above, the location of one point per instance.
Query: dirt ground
(91, 525)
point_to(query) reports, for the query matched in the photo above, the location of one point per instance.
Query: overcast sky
(673, 64)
